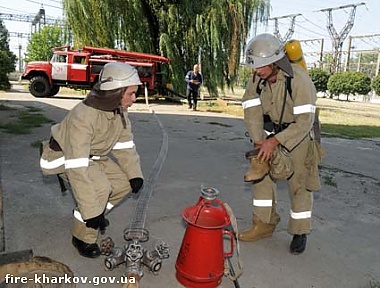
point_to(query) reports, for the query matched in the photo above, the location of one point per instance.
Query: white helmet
(262, 50)
(116, 75)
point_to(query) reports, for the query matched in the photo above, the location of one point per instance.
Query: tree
(7, 58)
(41, 43)
(320, 79)
(244, 75)
(212, 31)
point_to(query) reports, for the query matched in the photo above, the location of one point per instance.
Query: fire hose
(229, 270)
(134, 255)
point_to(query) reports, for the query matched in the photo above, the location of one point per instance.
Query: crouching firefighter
(79, 150)
(281, 98)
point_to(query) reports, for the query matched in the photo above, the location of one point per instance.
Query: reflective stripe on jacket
(299, 109)
(88, 131)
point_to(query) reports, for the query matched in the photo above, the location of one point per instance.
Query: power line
(304, 28)
(316, 25)
(48, 5)
(14, 10)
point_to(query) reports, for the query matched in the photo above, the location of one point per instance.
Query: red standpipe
(200, 262)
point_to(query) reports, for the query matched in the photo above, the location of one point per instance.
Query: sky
(311, 24)
(53, 9)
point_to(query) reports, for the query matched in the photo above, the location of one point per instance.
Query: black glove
(136, 184)
(98, 222)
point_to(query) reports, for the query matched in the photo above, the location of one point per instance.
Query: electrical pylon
(290, 31)
(338, 39)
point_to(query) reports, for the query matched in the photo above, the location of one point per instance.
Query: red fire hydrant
(200, 262)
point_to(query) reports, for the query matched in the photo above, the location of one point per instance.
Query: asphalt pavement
(204, 150)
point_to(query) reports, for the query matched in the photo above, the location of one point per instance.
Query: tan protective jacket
(87, 133)
(299, 108)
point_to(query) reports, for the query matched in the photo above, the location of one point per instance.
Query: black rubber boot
(85, 249)
(298, 244)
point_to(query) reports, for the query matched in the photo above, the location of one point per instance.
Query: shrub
(349, 83)
(320, 79)
(376, 84)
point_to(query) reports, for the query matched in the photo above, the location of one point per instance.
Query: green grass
(351, 120)
(350, 131)
(6, 108)
(23, 121)
(36, 144)
(329, 180)
(339, 119)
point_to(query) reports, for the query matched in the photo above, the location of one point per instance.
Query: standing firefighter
(281, 98)
(95, 128)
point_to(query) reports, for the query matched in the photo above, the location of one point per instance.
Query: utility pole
(20, 65)
(290, 31)
(19, 35)
(347, 65)
(338, 39)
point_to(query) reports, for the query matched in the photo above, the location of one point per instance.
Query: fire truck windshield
(59, 58)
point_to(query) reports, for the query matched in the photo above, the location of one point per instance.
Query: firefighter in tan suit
(95, 128)
(292, 118)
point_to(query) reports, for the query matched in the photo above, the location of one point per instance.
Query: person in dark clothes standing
(194, 80)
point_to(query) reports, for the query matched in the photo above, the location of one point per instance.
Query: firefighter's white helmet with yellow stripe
(116, 75)
(264, 49)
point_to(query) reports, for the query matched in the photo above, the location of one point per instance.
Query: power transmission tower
(290, 31)
(338, 39)
(37, 20)
(319, 53)
(372, 71)
(31, 19)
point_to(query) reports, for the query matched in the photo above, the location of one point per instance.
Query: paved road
(204, 149)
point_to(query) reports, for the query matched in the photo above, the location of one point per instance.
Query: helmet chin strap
(121, 112)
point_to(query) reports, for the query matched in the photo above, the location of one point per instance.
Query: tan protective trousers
(264, 195)
(112, 185)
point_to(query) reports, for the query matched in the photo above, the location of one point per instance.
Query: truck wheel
(54, 90)
(39, 86)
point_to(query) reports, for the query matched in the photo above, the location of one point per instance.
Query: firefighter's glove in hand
(136, 184)
(98, 222)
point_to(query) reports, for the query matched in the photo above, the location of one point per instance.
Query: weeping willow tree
(212, 32)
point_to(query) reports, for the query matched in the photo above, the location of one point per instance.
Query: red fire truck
(79, 69)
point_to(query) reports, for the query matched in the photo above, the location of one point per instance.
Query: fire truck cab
(79, 69)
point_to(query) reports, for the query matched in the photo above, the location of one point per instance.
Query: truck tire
(39, 86)
(54, 90)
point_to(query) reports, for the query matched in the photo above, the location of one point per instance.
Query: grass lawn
(349, 119)
(353, 119)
